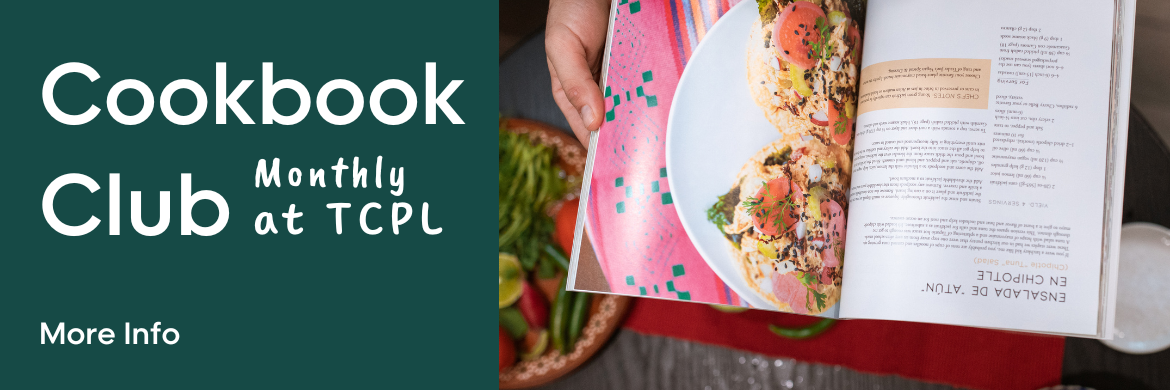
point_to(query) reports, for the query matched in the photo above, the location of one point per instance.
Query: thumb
(567, 57)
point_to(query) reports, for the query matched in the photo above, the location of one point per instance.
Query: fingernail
(587, 115)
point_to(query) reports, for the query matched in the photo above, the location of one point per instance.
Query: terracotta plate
(607, 311)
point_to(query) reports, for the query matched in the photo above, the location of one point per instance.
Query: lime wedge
(511, 280)
(534, 346)
(766, 250)
(837, 17)
(798, 82)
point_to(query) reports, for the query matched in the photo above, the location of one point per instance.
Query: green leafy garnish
(823, 49)
(761, 209)
(768, 10)
(529, 184)
(810, 281)
(819, 297)
(780, 157)
(807, 279)
(716, 215)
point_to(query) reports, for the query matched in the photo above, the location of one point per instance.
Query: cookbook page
(720, 173)
(980, 166)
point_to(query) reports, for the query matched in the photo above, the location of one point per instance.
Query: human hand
(574, 41)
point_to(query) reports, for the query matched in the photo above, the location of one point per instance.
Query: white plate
(713, 129)
(1143, 290)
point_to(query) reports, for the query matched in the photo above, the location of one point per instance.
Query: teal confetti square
(628, 95)
(656, 289)
(629, 192)
(642, 290)
(684, 295)
(654, 186)
(662, 172)
(678, 270)
(621, 207)
(652, 101)
(629, 280)
(609, 116)
(635, 7)
(640, 92)
(647, 76)
(669, 285)
(618, 182)
(666, 198)
(607, 92)
(617, 100)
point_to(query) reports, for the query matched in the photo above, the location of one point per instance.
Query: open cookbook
(951, 162)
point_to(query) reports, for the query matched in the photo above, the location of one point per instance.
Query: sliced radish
(794, 30)
(819, 118)
(777, 213)
(842, 126)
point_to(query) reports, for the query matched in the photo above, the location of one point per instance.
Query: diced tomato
(507, 350)
(775, 203)
(834, 233)
(566, 225)
(794, 30)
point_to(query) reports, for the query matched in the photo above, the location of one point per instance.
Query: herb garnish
(810, 281)
(716, 213)
(768, 10)
(840, 126)
(530, 182)
(823, 49)
(780, 157)
(761, 208)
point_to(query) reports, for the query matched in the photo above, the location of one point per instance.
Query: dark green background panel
(317, 310)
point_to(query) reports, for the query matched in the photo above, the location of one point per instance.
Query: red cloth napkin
(966, 357)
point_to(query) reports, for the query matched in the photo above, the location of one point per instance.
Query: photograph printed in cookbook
(750, 211)
(784, 216)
